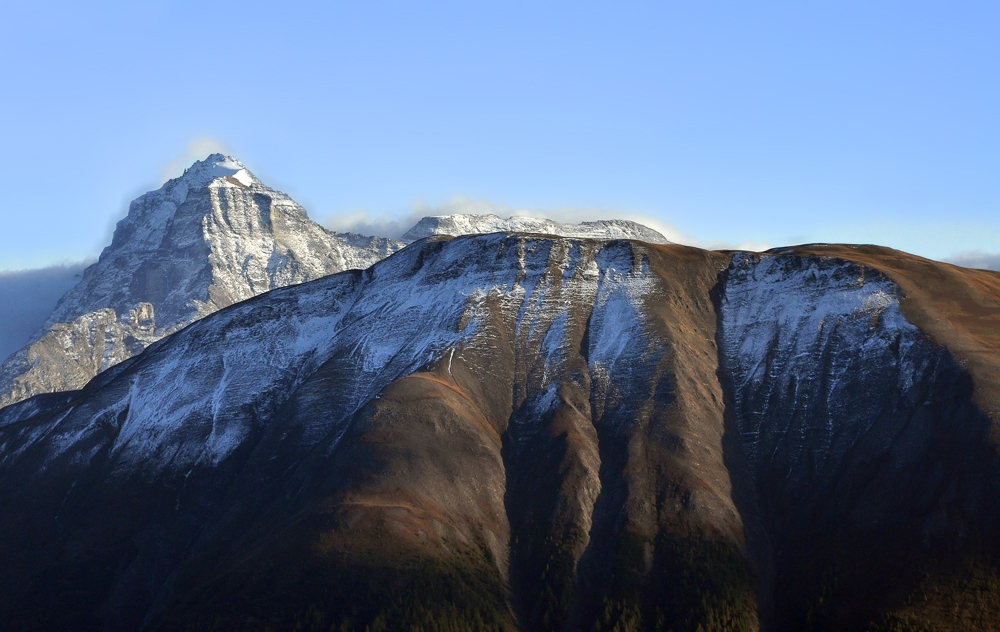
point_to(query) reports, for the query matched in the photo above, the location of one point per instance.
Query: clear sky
(724, 122)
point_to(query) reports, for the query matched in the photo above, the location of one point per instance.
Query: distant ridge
(461, 224)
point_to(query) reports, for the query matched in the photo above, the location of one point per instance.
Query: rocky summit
(210, 238)
(527, 432)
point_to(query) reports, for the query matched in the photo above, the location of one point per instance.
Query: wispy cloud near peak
(196, 150)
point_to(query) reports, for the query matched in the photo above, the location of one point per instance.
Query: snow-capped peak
(216, 166)
(212, 237)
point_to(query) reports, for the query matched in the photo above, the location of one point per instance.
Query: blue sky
(723, 122)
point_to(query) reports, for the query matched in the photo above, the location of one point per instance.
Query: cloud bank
(27, 297)
(976, 259)
(364, 223)
(387, 225)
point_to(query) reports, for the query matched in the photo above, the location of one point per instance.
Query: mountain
(210, 238)
(457, 225)
(526, 432)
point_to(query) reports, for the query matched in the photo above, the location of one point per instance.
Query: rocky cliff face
(519, 432)
(205, 240)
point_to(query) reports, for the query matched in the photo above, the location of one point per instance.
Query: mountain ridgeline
(530, 432)
(210, 238)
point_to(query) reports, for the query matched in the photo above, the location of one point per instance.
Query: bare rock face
(518, 432)
(456, 225)
(210, 238)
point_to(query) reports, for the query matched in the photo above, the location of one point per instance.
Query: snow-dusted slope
(210, 238)
(822, 361)
(861, 433)
(826, 333)
(406, 397)
(192, 399)
(483, 224)
(571, 430)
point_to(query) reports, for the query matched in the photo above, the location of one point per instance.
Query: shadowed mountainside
(520, 432)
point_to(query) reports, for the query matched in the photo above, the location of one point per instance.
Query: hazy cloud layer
(976, 259)
(196, 150)
(395, 225)
(27, 297)
(364, 223)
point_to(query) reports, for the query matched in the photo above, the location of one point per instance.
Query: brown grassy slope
(466, 494)
(592, 488)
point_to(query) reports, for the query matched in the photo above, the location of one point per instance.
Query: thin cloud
(752, 246)
(196, 150)
(976, 259)
(27, 297)
(364, 223)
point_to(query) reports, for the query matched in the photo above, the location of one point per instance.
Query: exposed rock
(210, 238)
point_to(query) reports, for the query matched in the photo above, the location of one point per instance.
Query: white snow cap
(204, 172)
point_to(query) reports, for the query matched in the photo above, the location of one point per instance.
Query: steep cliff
(208, 239)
